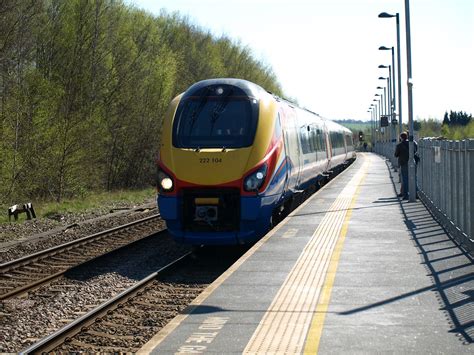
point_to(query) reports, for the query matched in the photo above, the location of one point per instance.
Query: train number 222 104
(210, 160)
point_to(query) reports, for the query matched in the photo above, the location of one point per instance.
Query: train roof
(256, 91)
(251, 89)
(334, 126)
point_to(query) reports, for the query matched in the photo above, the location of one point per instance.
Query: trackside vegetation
(92, 203)
(84, 85)
(454, 126)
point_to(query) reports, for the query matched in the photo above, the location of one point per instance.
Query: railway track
(24, 274)
(126, 322)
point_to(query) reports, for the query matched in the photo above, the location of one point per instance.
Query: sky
(325, 52)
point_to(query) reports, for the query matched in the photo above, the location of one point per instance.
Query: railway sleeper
(36, 268)
(100, 349)
(96, 333)
(31, 275)
(138, 312)
(61, 258)
(76, 253)
(20, 279)
(112, 324)
(6, 277)
(38, 265)
(156, 302)
(164, 306)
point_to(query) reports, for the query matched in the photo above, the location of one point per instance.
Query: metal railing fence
(446, 184)
(445, 178)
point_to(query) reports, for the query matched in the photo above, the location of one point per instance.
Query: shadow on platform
(450, 268)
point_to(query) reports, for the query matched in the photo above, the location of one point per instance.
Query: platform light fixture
(411, 165)
(393, 105)
(399, 71)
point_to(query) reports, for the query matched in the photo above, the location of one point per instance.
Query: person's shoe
(405, 197)
(400, 195)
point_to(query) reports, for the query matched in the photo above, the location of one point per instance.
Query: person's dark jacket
(402, 152)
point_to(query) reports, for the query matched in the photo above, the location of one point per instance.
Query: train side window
(314, 140)
(337, 140)
(278, 130)
(304, 140)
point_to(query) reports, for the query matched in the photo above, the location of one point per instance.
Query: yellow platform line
(298, 293)
(317, 323)
(286, 323)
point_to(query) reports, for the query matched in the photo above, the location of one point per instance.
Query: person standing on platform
(402, 153)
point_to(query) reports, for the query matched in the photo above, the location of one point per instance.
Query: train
(233, 156)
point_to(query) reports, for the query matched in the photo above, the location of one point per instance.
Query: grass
(90, 201)
(356, 126)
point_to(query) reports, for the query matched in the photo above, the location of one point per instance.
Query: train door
(292, 148)
(322, 155)
(344, 145)
(328, 147)
(281, 122)
(314, 140)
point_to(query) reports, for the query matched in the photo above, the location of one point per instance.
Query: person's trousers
(404, 172)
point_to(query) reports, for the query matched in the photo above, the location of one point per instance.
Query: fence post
(436, 174)
(452, 180)
(445, 181)
(460, 175)
(428, 169)
(469, 187)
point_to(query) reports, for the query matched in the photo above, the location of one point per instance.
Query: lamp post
(399, 71)
(371, 116)
(374, 113)
(391, 113)
(390, 91)
(373, 107)
(392, 79)
(382, 104)
(386, 105)
(377, 126)
(411, 146)
(372, 123)
(392, 121)
(385, 94)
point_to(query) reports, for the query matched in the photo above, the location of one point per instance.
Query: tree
(457, 118)
(84, 85)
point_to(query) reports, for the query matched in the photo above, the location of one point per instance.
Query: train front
(216, 166)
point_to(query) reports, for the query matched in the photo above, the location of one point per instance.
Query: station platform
(352, 270)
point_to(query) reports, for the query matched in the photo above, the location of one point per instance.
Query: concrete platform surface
(353, 270)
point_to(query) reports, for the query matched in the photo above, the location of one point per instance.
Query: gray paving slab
(367, 297)
(376, 339)
(265, 265)
(402, 286)
(389, 314)
(253, 279)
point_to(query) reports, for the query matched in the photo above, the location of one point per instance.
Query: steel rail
(57, 250)
(52, 341)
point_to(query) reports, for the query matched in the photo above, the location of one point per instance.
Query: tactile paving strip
(284, 327)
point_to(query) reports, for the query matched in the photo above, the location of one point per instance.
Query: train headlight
(165, 182)
(255, 180)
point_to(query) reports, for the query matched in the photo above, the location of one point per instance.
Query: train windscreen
(215, 116)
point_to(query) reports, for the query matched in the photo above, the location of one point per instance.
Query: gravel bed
(79, 291)
(20, 239)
